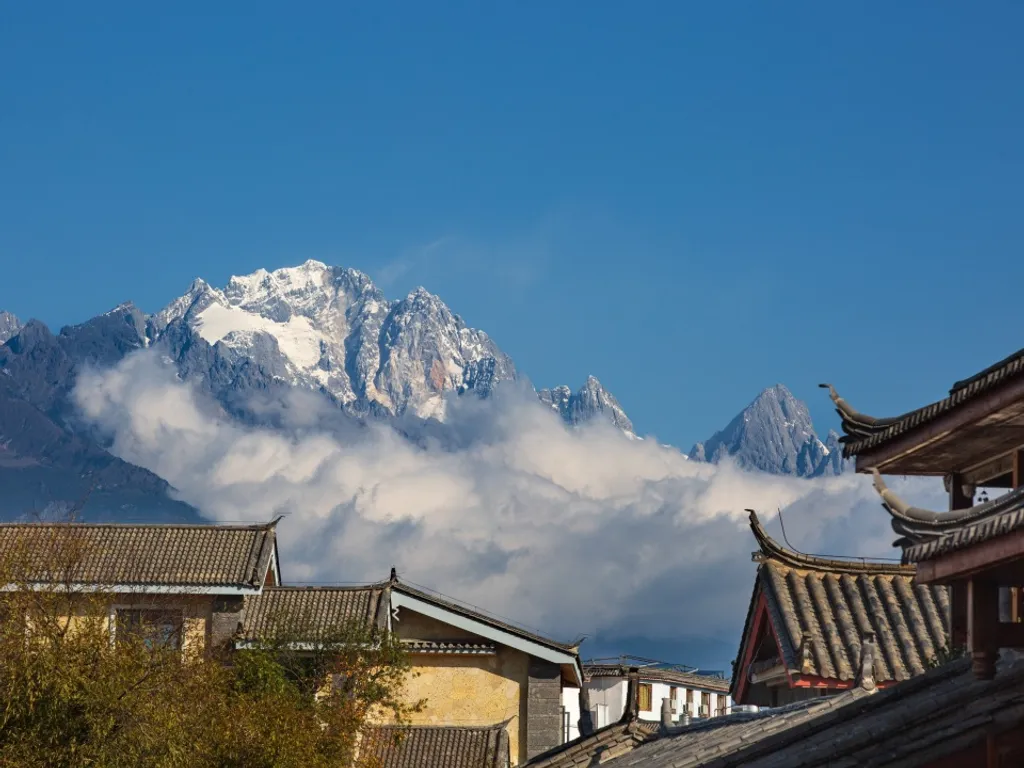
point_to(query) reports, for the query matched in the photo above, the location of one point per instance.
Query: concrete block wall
(543, 707)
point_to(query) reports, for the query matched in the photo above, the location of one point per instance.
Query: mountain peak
(9, 326)
(591, 401)
(774, 433)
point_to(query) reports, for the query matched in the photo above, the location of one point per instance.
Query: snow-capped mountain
(774, 434)
(325, 329)
(9, 326)
(591, 401)
(331, 329)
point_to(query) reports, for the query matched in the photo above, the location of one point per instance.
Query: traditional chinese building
(808, 616)
(972, 438)
(474, 670)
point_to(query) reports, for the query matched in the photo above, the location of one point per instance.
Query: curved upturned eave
(856, 424)
(772, 550)
(916, 522)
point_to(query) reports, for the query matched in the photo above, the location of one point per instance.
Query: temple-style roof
(429, 746)
(925, 533)
(819, 608)
(866, 433)
(943, 713)
(312, 612)
(660, 674)
(144, 558)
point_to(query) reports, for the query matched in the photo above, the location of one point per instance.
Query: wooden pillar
(1016, 482)
(958, 613)
(957, 498)
(983, 627)
(1018, 468)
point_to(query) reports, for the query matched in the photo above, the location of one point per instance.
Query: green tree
(71, 696)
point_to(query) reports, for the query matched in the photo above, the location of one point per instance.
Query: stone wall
(225, 618)
(543, 707)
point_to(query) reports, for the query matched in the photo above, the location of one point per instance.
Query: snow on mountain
(331, 329)
(9, 326)
(773, 434)
(591, 401)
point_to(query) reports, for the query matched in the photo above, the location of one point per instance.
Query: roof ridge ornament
(866, 673)
(854, 422)
(804, 653)
(770, 550)
(930, 518)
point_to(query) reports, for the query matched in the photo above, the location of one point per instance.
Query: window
(723, 704)
(156, 628)
(705, 704)
(565, 725)
(673, 695)
(645, 697)
(689, 699)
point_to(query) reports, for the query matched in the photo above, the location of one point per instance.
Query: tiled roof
(671, 676)
(423, 746)
(198, 556)
(820, 608)
(969, 535)
(475, 613)
(926, 534)
(914, 723)
(313, 611)
(608, 742)
(450, 647)
(864, 432)
(719, 741)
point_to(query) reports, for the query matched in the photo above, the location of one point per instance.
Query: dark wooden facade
(974, 437)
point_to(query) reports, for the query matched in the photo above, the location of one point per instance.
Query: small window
(645, 697)
(689, 698)
(673, 694)
(723, 704)
(705, 704)
(157, 628)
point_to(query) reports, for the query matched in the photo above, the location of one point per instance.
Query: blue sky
(691, 201)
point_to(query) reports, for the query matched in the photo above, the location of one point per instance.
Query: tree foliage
(73, 694)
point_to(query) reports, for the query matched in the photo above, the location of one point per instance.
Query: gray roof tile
(233, 556)
(312, 611)
(438, 746)
(834, 603)
(910, 724)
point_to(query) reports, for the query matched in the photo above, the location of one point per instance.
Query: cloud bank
(571, 531)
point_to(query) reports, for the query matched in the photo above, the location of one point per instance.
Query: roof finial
(394, 575)
(866, 673)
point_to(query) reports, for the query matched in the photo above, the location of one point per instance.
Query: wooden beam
(914, 440)
(989, 470)
(975, 559)
(983, 627)
(958, 499)
(958, 615)
(1018, 468)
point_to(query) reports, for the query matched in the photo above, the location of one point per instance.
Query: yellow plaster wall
(472, 690)
(196, 610)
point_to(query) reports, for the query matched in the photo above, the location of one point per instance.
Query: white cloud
(572, 531)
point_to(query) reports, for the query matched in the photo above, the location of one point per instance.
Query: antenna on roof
(784, 537)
